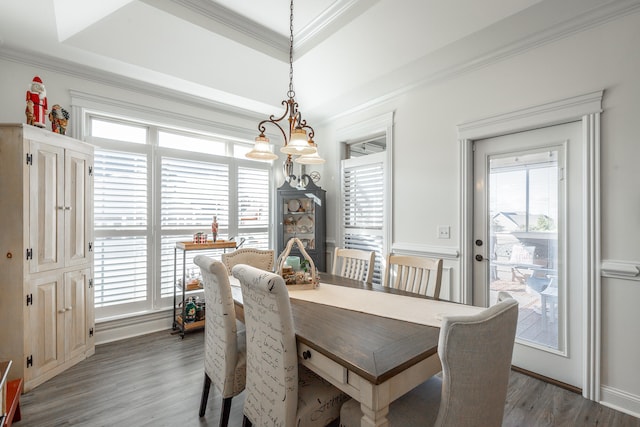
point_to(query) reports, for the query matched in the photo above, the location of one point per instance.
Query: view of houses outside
(523, 205)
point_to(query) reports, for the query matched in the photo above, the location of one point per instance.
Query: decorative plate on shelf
(294, 205)
(305, 224)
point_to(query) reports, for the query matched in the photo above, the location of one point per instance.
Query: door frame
(586, 108)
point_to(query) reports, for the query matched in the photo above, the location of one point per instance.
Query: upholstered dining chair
(475, 352)
(415, 274)
(354, 264)
(224, 346)
(259, 258)
(279, 390)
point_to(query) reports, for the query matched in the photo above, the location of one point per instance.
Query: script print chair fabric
(475, 352)
(279, 392)
(259, 258)
(354, 264)
(415, 274)
(224, 346)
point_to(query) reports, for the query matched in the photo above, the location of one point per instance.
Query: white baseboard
(119, 329)
(620, 400)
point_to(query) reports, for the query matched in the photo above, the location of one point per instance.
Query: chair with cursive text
(224, 347)
(279, 390)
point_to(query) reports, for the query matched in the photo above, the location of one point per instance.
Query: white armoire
(46, 252)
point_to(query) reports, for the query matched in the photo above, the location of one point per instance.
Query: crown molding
(328, 22)
(216, 18)
(61, 66)
(224, 21)
(489, 46)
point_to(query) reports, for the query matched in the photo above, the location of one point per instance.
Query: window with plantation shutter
(155, 186)
(362, 216)
(121, 222)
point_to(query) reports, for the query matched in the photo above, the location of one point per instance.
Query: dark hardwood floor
(156, 380)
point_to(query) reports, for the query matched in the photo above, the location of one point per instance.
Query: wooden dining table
(374, 359)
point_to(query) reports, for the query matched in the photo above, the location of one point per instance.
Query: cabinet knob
(306, 354)
(68, 308)
(61, 311)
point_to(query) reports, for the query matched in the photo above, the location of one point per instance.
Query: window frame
(373, 128)
(153, 231)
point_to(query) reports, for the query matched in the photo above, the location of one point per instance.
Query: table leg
(371, 418)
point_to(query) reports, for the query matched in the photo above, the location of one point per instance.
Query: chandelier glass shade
(310, 159)
(297, 134)
(262, 150)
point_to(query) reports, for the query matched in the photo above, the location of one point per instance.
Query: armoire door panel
(46, 201)
(77, 215)
(46, 315)
(76, 331)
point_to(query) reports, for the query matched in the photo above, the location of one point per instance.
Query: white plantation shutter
(363, 195)
(253, 206)
(120, 221)
(192, 192)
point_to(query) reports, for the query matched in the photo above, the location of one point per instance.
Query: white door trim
(586, 108)
(382, 124)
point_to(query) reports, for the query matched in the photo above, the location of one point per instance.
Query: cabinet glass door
(300, 220)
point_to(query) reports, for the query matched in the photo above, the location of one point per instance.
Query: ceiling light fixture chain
(298, 139)
(291, 94)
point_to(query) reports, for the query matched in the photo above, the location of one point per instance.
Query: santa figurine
(36, 103)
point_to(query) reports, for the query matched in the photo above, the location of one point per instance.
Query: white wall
(427, 155)
(427, 163)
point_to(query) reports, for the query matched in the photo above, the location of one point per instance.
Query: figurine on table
(36, 103)
(214, 228)
(59, 119)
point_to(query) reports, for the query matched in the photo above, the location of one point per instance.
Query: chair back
(415, 274)
(354, 264)
(259, 258)
(271, 395)
(475, 352)
(221, 344)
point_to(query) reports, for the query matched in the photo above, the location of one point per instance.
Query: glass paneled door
(528, 206)
(523, 238)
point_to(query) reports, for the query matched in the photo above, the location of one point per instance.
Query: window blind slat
(363, 211)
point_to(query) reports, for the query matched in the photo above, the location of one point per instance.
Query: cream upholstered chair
(224, 347)
(475, 352)
(259, 258)
(279, 391)
(354, 264)
(415, 274)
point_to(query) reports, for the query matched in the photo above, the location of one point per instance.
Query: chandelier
(298, 136)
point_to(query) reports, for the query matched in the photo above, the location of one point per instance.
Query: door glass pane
(524, 219)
